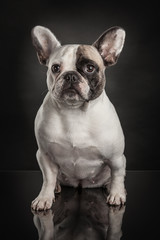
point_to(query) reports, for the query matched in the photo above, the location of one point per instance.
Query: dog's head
(76, 73)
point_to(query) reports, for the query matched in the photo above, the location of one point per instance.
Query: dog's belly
(80, 166)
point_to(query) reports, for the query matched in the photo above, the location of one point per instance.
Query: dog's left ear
(110, 45)
(45, 43)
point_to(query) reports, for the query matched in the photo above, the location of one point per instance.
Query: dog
(79, 136)
(80, 215)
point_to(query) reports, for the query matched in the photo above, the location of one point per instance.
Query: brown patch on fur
(87, 54)
(90, 52)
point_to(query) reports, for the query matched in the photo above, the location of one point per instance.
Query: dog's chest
(77, 148)
(77, 162)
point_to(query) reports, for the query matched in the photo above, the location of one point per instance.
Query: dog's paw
(116, 198)
(42, 203)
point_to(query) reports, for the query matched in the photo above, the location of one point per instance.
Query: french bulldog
(79, 135)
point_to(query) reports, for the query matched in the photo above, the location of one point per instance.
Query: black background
(132, 84)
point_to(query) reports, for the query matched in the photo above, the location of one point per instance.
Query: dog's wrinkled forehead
(65, 55)
(69, 55)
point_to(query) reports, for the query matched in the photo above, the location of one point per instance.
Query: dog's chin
(70, 97)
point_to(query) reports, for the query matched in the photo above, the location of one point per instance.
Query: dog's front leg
(49, 171)
(117, 192)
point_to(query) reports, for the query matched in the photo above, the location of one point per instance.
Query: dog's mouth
(71, 91)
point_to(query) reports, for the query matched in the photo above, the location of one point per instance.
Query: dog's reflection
(78, 215)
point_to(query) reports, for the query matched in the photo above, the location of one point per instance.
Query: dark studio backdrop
(132, 84)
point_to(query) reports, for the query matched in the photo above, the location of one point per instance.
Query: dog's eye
(89, 68)
(55, 68)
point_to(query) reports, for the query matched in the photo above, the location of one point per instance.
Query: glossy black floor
(80, 215)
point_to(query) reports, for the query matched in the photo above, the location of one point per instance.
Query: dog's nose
(71, 77)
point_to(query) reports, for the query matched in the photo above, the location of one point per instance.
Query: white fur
(60, 131)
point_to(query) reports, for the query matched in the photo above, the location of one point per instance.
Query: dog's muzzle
(73, 86)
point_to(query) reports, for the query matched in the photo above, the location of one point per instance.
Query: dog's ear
(45, 43)
(110, 45)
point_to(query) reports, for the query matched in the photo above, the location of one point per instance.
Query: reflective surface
(80, 214)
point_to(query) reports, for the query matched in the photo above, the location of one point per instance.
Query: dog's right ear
(45, 43)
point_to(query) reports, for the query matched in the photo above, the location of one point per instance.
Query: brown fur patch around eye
(87, 54)
(90, 52)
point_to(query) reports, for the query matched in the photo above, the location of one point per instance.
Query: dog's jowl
(79, 136)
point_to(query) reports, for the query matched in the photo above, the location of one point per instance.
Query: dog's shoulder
(46, 115)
